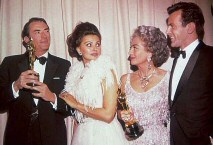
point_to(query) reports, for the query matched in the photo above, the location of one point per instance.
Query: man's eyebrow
(36, 30)
(47, 28)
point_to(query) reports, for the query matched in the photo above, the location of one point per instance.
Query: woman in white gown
(91, 89)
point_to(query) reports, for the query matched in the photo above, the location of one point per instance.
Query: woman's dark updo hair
(75, 38)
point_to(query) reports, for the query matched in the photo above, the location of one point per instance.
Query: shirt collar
(45, 55)
(190, 48)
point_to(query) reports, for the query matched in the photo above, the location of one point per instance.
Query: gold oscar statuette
(133, 129)
(32, 57)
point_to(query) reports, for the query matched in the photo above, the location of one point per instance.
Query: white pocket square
(56, 78)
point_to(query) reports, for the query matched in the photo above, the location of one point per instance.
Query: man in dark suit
(191, 81)
(35, 113)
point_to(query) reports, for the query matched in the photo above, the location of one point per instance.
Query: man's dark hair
(190, 13)
(25, 31)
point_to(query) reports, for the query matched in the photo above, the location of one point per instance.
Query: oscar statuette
(32, 57)
(133, 129)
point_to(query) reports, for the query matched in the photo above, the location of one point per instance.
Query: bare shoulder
(123, 78)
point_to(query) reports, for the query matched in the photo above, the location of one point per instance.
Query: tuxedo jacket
(191, 109)
(51, 121)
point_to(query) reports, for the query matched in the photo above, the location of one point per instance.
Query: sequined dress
(151, 110)
(84, 83)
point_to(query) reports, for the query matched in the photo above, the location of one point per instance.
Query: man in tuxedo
(191, 81)
(35, 113)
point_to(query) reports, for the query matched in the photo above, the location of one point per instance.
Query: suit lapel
(187, 71)
(50, 69)
(170, 80)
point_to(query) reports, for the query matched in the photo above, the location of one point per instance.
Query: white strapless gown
(85, 84)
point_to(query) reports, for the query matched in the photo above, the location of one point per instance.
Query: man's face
(176, 31)
(39, 32)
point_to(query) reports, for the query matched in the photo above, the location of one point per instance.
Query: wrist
(15, 86)
(53, 98)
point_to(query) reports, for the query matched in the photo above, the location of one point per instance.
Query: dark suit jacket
(52, 125)
(191, 109)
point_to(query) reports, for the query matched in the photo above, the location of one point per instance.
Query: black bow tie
(183, 53)
(176, 52)
(42, 60)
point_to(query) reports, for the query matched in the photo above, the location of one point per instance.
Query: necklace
(144, 80)
(85, 69)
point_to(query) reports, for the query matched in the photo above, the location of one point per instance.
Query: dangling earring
(80, 53)
(149, 62)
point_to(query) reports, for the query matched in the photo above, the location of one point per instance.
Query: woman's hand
(127, 115)
(69, 99)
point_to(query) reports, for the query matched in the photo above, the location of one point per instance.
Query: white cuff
(15, 94)
(55, 104)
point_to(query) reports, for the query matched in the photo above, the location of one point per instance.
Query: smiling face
(90, 48)
(39, 32)
(176, 31)
(138, 52)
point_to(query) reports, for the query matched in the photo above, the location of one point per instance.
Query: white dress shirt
(180, 66)
(39, 68)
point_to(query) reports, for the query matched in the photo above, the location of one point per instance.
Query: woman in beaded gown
(146, 88)
(91, 89)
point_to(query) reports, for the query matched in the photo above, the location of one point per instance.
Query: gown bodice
(151, 110)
